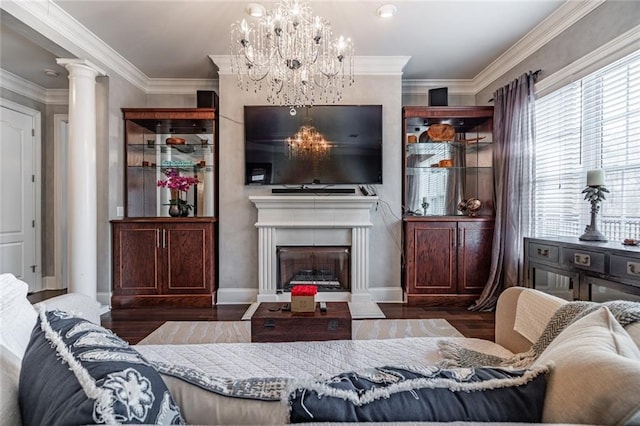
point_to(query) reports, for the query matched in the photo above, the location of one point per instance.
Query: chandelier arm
(291, 54)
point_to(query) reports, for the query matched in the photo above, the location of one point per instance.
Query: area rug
(194, 332)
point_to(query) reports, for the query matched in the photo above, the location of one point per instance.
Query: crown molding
(379, 65)
(617, 48)
(223, 62)
(53, 22)
(33, 91)
(362, 65)
(564, 17)
(179, 86)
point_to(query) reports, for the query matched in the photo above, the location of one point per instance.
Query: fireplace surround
(304, 221)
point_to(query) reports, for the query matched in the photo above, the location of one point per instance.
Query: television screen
(322, 144)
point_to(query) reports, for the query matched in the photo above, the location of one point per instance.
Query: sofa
(589, 373)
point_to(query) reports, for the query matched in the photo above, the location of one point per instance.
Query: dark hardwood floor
(136, 323)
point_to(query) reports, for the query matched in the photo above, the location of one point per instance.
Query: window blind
(590, 124)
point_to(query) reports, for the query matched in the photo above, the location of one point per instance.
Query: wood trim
(174, 301)
(441, 299)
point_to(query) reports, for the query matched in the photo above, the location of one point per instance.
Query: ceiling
(446, 39)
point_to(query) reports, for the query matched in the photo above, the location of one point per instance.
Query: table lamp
(594, 193)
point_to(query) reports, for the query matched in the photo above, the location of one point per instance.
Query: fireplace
(325, 267)
(303, 221)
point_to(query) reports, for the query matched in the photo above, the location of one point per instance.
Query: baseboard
(104, 297)
(236, 296)
(386, 294)
(50, 283)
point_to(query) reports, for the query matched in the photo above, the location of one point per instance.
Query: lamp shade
(595, 177)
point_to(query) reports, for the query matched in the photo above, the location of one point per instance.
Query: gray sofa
(593, 378)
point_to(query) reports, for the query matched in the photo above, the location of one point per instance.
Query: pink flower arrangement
(175, 181)
(304, 290)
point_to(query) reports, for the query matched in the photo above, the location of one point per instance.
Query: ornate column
(81, 177)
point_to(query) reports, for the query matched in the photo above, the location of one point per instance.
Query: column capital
(73, 64)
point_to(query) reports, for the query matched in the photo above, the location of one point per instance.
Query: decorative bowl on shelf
(473, 205)
(441, 132)
(175, 141)
(470, 206)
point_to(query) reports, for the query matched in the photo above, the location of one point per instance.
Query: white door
(18, 196)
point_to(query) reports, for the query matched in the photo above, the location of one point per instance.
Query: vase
(175, 210)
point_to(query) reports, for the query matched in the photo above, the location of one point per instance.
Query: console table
(581, 270)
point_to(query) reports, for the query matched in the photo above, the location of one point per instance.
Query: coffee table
(282, 326)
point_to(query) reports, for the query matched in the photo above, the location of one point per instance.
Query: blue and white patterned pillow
(77, 372)
(422, 394)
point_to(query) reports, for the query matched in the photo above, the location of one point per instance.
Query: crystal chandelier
(307, 144)
(292, 55)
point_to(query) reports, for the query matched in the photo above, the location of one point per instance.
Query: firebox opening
(322, 266)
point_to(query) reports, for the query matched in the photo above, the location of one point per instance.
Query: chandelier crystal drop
(291, 54)
(307, 144)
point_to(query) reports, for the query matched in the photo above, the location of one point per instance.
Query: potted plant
(178, 185)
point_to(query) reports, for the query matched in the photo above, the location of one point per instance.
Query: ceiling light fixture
(51, 73)
(292, 55)
(255, 9)
(387, 11)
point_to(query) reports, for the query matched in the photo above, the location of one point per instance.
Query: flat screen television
(352, 154)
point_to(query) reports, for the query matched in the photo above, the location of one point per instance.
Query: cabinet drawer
(544, 252)
(625, 267)
(583, 259)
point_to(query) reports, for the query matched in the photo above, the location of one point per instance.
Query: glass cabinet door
(179, 152)
(443, 177)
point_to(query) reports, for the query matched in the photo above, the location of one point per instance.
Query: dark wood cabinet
(447, 259)
(573, 269)
(163, 262)
(160, 260)
(447, 201)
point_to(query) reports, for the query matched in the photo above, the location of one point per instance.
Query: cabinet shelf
(420, 170)
(425, 146)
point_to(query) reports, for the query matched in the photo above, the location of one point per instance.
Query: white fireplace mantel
(313, 220)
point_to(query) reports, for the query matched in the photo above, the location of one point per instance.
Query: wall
(48, 190)
(422, 99)
(238, 256)
(112, 94)
(602, 25)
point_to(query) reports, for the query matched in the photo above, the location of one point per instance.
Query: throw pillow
(76, 372)
(423, 394)
(17, 316)
(596, 377)
(9, 377)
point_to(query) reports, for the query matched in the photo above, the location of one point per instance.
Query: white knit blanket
(307, 359)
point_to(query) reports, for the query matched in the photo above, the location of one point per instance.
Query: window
(590, 124)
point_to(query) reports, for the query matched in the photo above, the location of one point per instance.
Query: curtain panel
(513, 132)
